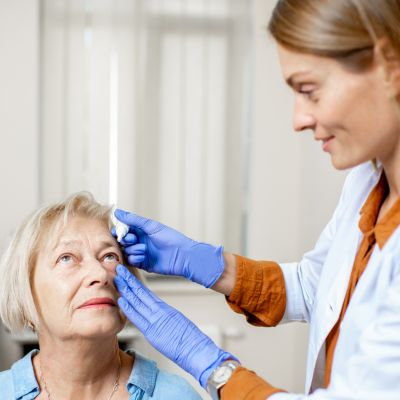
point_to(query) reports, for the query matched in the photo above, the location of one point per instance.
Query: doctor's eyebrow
(291, 80)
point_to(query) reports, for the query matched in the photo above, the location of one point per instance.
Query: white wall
(18, 118)
(294, 187)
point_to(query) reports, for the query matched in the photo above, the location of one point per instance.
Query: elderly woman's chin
(98, 323)
(92, 324)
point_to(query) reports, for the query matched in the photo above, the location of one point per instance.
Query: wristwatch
(219, 377)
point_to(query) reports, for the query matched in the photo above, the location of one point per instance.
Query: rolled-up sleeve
(259, 292)
(247, 385)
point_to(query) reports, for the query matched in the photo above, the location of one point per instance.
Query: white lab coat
(366, 362)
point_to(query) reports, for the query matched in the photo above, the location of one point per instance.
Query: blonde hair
(17, 307)
(343, 29)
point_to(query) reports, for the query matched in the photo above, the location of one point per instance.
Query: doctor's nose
(302, 120)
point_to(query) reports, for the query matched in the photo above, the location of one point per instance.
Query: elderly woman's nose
(96, 273)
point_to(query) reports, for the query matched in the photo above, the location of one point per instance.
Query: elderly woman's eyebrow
(75, 243)
(66, 243)
(109, 243)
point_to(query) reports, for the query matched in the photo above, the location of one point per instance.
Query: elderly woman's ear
(31, 326)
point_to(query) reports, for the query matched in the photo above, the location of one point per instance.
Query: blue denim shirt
(146, 382)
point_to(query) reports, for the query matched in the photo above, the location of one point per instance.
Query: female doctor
(342, 60)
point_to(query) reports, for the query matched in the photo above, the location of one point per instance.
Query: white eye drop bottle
(121, 229)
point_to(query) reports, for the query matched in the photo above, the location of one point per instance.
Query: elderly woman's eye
(65, 259)
(111, 257)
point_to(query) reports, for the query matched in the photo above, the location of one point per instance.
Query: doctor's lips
(99, 302)
(325, 141)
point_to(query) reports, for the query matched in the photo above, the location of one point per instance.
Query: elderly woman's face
(73, 282)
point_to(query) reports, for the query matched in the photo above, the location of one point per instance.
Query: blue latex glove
(155, 247)
(168, 330)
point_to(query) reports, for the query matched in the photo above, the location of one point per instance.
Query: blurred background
(174, 109)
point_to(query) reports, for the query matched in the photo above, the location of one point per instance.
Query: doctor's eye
(308, 91)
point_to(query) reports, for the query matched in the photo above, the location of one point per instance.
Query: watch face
(222, 374)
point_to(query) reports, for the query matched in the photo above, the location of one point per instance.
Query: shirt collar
(388, 224)
(143, 375)
(24, 378)
(369, 214)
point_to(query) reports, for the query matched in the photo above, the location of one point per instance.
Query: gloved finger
(129, 239)
(136, 249)
(148, 226)
(113, 231)
(136, 260)
(141, 323)
(133, 297)
(145, 294)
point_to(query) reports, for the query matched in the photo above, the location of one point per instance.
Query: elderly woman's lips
(98, 302)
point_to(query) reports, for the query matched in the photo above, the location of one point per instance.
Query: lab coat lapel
(331, 296)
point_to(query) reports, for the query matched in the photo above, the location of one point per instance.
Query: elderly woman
(56, 278)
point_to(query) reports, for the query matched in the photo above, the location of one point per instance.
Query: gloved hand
(168, 330)
(155, 247)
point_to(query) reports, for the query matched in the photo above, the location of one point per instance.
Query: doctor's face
(350, 112)
(73, 282)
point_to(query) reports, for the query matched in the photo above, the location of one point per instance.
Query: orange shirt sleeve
(259, 292)
(247, 385)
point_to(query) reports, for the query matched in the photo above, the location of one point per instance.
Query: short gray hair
(17, 307)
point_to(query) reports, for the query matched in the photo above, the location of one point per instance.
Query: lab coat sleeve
(302, 278)
(268, 293)
(373, 370)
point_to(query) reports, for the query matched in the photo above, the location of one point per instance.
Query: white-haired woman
(342, 60)
(56, 277)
